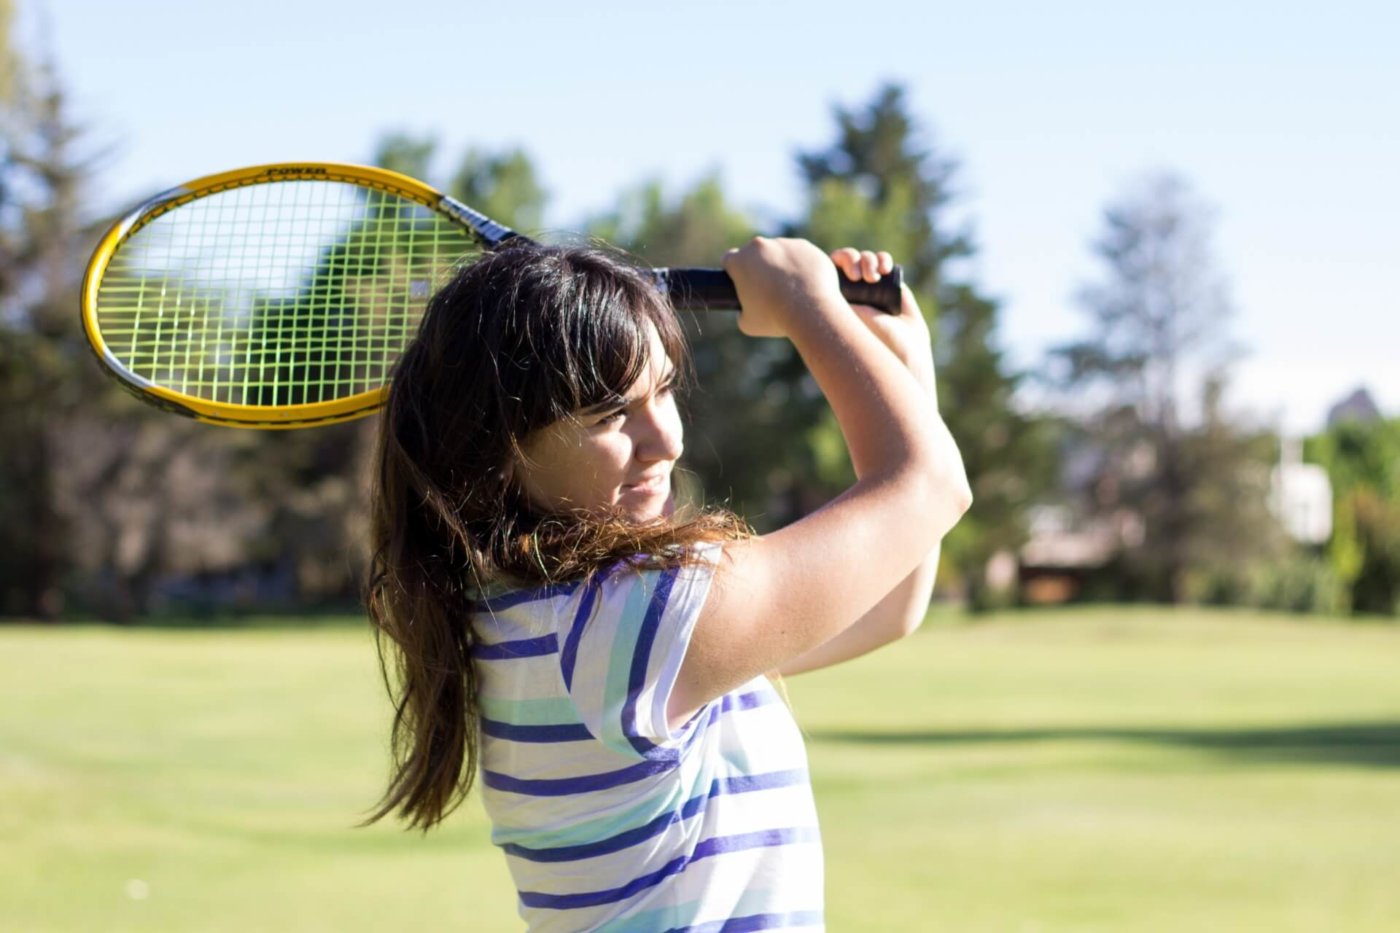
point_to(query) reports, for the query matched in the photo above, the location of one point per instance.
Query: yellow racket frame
(222, 413)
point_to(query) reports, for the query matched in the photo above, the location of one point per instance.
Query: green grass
(1111, 769)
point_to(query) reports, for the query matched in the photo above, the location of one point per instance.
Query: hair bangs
(609, 324)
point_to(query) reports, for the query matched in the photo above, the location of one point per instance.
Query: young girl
(601, 660)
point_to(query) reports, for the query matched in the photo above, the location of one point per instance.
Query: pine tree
(877, 186)
(43, 363)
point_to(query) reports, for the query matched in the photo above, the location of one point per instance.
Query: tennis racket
(280, 296)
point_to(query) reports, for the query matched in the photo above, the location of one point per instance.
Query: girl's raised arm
(777, 596)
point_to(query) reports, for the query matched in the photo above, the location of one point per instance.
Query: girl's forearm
(882, 415)
(892, 618)
(898, 614)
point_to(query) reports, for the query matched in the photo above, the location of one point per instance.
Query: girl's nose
(662, 435)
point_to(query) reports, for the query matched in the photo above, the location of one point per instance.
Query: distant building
(1070, 544)
(1065, 547)
(1071, 541)
(1301, 496)
(1358, 406)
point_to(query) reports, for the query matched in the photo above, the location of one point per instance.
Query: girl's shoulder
(631, 586)
(701, 556)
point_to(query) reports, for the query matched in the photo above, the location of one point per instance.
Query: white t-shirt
(610, 820)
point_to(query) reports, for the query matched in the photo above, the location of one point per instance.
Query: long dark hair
(513, 343)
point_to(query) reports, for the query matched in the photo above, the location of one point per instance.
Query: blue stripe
(641, 659)
(731, 701)
(564, 732)
(692, 807)
(585, 612)
(745, 783)
(523, 648)
(803, 918)
(764, 838)
(710, 847)
(751, 700)
(520, 597)
(671, 752)
(562, 787)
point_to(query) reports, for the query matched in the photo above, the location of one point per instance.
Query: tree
(1362, 459)
(1008, 450)
(406, 154)
(878, 186)
(42, 373)
(1157, 350)
(503, 186)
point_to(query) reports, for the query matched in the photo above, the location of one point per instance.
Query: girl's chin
(648, 511)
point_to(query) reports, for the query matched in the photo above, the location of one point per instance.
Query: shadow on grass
(1372, 744)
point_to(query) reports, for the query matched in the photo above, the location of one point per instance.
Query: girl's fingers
(870, 266)
(866, 265)
(847, 260)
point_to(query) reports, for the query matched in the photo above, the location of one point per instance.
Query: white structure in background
(1302, 496)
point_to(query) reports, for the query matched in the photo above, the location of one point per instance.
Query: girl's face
(618, 454)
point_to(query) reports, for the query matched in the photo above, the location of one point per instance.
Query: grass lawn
(1104, 769)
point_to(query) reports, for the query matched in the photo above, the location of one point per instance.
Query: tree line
(112, 509)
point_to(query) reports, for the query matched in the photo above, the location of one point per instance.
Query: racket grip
(713, 290)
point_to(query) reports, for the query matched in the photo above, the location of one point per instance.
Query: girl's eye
(612, 416)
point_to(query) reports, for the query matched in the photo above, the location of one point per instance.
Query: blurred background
(1165, 354)
(1157, 250)
(1157, 247)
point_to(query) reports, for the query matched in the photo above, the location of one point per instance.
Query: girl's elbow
(962, 498)
(912, 619)
(947, 489)
(959, 501)
(948, 503)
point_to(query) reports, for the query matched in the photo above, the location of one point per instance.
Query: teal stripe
(549, 711)
(624, 647)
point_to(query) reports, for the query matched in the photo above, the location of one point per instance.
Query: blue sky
(1284, 116)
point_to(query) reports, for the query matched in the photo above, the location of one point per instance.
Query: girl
(600, 659)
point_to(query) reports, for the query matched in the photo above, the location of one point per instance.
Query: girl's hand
(905, 333)
(778, 279)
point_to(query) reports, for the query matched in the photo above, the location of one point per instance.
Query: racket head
(274, 296)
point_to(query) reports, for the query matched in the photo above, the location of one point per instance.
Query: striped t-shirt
(611, 820)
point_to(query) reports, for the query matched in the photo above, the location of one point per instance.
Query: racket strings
(278, 294)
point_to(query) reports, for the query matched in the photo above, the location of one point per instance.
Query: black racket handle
(713, 290)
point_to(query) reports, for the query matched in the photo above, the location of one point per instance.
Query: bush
(1301, 583)
(1298, 582)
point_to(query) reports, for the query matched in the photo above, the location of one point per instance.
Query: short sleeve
(622, 638)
